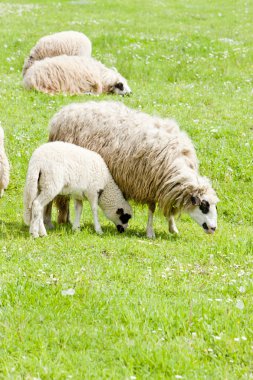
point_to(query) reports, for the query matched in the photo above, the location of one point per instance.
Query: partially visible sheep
(62, 168)
(69, 43)
(150, 159)
(74, 75)
(4, 165)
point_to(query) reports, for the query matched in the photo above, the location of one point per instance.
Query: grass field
(171, 308)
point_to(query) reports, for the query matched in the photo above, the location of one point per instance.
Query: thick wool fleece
(69, 43)
(74, 75)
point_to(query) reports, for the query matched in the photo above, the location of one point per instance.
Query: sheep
(150, 159)
(69, 43)
(63, 168)
(74, 75)
(4, 165)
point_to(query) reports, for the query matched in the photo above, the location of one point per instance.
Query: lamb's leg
(78, 213)
(62, 204)
(48, 216)
(36, 228)
(1, 193)
(150, 231)
(93, 199)
(172, 225)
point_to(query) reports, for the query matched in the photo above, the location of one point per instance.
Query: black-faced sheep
(74, 75)
(69, 43)
(150, 159)
(63, 168)
(4, 165)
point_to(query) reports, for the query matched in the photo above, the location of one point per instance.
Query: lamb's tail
(31, 191)
(28, 63)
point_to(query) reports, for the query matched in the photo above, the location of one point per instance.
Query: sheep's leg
(78, 213)
(1, 193)
(172, 225)
(150, 230)
(48, 216)
(37, 227)
(93, 199)
(37, 219)
(62, 204)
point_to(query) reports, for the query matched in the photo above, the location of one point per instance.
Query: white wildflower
(239, 304)
(68, 292)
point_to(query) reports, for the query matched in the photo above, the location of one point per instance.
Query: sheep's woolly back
(69, 43)
(4, 165)
(150, 159)
(73, 75)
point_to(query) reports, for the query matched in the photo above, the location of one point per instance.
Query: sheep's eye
(120, 86)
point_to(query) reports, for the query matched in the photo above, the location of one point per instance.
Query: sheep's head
(121, 87)
(120, 217)
(119, 84)
(204, 211)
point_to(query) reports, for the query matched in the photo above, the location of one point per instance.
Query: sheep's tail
(28, 63)
(31, 191)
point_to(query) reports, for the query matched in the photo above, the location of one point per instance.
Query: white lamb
(69, 43)
(63, 168)
(74, 75)
(4, 165)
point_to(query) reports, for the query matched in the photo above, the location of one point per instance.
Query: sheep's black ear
(204, 207)
(120, 211)
(120, 86)
(195, 200)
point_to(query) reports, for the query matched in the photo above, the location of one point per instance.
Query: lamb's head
(114, 206)
(119, 216)
(202, 208)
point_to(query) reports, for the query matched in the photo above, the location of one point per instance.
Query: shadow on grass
(19, 229)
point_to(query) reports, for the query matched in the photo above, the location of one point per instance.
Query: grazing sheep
(69, 43)
(150, 159)
(74, 75)
(63, 168)
(4, 165)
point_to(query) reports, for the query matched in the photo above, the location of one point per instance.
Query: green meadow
(121, 306)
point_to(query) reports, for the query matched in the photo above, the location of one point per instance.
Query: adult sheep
(74, 75)
(69, 43)
(150, 159)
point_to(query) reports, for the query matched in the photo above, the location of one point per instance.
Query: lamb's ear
(120, 86)
(195, 200)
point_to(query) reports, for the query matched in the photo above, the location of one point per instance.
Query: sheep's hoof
(76, 228)
(99, 232)
(49, 226)
(174, 230)
(151, 234)
(35, 235)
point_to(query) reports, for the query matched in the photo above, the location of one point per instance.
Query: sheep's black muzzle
(120, 228)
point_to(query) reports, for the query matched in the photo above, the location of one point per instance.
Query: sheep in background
(63, 168)
(74, 75)
(69, 43)
(4, 165)
(150, 159)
